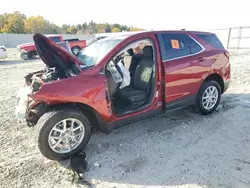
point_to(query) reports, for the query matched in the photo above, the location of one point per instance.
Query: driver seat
(138, 92)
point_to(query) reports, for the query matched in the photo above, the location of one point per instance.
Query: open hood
(55, 56)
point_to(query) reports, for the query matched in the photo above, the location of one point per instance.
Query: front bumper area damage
(27, 110)
(22, 103)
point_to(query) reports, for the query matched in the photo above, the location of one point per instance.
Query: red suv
(119, 80)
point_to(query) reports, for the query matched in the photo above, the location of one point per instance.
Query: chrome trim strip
(202, 50)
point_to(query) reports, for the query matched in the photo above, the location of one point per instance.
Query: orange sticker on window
(175, 44)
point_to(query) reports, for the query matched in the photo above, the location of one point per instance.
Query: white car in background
(3, 52)
(99, 36)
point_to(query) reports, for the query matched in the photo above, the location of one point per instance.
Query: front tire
(208, 97)
(62, 133)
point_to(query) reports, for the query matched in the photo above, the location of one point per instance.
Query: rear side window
(212, 40)
(194, 47)
(177, 45)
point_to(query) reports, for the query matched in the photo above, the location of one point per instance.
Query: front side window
(134, 64)
(136, 47)
(133, 52)
(177, 45)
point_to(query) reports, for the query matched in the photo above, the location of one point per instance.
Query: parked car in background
(3, 52)
(28, 50)
(168, 70)
(97, 37)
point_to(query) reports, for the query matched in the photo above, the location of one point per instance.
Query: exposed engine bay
(59, 65)
(38, 78)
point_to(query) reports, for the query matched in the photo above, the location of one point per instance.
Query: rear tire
(208, 97)
(51, 125)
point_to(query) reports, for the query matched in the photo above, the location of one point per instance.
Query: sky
(147, 14)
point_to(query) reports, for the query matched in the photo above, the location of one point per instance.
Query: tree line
(18, 22)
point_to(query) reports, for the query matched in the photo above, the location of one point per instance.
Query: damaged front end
(60, 64)
(28, 111)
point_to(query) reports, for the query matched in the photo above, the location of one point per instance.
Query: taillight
(227, 54)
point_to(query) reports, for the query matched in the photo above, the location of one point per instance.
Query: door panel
(184, 65)
(183, 76)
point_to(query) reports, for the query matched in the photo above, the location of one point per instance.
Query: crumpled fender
(85, 89)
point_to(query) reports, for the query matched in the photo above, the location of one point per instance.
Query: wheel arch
(32, 52)
(216, 77)
(94, 118)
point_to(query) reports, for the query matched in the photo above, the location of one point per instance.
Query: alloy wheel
(66, 135)
(210, 97)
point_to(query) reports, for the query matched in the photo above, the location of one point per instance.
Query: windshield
(92, 54)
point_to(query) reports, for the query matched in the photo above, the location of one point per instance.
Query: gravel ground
(181, 149)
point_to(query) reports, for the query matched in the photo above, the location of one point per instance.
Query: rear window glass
(212, 40)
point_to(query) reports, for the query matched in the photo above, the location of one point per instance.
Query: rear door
(181, 57)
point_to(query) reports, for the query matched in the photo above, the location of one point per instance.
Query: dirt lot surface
(181, 149)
